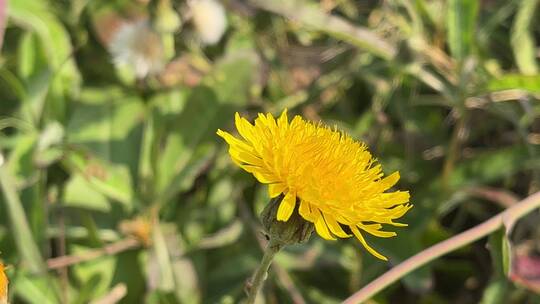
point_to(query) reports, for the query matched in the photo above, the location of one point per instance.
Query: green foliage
(461, 23)
(95, 154)
(522, 39)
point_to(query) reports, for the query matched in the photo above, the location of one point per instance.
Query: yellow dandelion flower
(334, 179)
(3, 285)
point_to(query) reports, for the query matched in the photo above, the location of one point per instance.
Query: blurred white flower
(138, 47)
(209, 19)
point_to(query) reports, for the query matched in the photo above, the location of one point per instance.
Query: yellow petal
(276, 189)
(262, 175)
(374, 230)
(388, 200)
(399, 211)
(271, 122)
(286, 207)
(265, 178)
(245, 157)
(282, 120)
(244, 128)
(343, 220)
(398, 224)
(261, 121)
(335, 227)
(233, 141)
(389, 181)
(359, 236)
(321, 227)
(305, 211)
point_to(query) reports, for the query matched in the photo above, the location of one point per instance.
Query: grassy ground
(115, 187)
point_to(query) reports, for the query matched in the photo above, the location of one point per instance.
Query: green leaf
(529, 83)
(36, 290)
(495, 292)
(107, 122)
(37, 89)
(173, 270)
(188, 131)
(116, 185)
(80, 194)
(98, 179)
(55, 56)
(131, 271)
(491, 166)
(506, 254)
(48, 149)
(499, 246)
(26, 245)
(19, 163)
(35, 16)
(226, 236)
(207, 108)
(522, 38)
(461, 27)
(187, 286)
(87, 292)
(27, 55)
(232, 77)
(85, 273)
(3, 21)
(160, 261)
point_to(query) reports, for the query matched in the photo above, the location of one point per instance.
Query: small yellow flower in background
(3, 285)
(334, 180)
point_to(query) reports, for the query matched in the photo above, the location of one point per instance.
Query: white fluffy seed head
(209, 19)
(137, 46)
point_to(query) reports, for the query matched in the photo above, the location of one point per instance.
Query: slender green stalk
(334, 26)
(506, 218)
(453, 149)
(28, 249)
(260, 275)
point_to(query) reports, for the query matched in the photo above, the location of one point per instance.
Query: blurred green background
(115, 188)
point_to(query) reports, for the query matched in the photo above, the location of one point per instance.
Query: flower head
(333, 178)
(3, 285)
(138, 47)
(209, 19)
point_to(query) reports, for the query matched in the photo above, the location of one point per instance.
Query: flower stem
(506, 218)
(260, 275)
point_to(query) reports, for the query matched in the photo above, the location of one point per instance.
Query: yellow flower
(3, 285)
(334, 180)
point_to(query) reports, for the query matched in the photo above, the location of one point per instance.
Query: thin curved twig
(112, 249)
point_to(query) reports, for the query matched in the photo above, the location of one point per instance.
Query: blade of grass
(34, 290)
(3, 20)
(461, 24)
(522, 39)
(24, 240)
(163, 260)
(334, 26)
